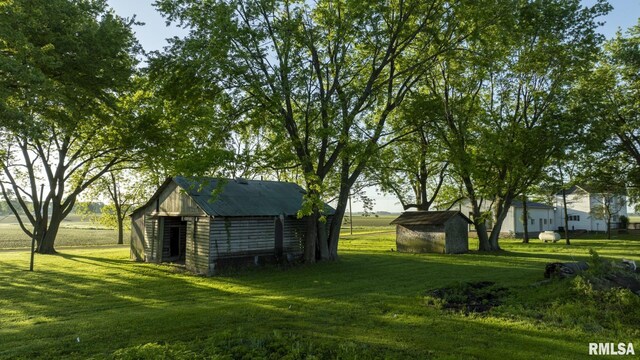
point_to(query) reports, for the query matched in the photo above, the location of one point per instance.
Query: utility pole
(350, 215)
(33, 238)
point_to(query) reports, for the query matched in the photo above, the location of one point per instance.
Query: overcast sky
(153, 35)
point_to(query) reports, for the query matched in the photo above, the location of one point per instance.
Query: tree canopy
(323, 77)
(63, 69)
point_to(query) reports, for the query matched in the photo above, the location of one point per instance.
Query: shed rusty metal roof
(227, 197)
(427, 217)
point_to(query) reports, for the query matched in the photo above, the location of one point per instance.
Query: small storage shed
(444, 232)
(208, 223)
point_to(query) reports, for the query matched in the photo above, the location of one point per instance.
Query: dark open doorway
(279, 238)
(174, 239)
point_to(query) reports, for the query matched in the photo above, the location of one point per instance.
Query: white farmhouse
(541, 217)
(585, 212)
(586, 209)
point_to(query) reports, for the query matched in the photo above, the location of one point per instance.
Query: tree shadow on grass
(371, 299)
(95, 260)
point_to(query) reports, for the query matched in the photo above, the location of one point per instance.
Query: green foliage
(488, 105)
(624, 222)
(279, 345)
(589, 302)
(65, 67)
(152, 351)
(609, 100)
(317, 80)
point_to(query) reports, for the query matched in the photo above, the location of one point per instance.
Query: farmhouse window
(533, 221)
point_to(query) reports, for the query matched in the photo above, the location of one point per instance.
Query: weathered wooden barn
(209, 223)
(444, 232)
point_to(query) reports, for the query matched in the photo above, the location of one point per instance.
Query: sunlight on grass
(369, 304)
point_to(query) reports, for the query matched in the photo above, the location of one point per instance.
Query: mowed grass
(95, 303)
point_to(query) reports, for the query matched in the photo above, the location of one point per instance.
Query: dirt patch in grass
(471, 297)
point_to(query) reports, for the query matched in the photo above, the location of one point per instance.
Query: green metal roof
(227, 197)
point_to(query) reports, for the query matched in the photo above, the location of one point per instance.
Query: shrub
(624, 222)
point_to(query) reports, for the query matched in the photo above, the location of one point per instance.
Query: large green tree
(322, 76)
(500, 106)
(412, 164)
(63, 66)
(610, 99)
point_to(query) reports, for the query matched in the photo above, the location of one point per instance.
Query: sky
(153, 35)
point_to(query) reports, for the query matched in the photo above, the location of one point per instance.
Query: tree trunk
(341, 207)
(120, 231)
(609, 227)
(525, 220)
(566, 216)
(483, 237)
(120, 224)
(334, 233)
(322, 244)
(323, 241)
(478, 220)
(484, 243)
(46, 242)
(311, 238)
(501, 208)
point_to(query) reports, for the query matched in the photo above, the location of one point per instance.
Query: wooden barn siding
(171, 202)
(420, 238)
(242, 236)
(137, 236)
(294, 233)
(197, 252)
(175, 202)
(457, 231)
(151, 238)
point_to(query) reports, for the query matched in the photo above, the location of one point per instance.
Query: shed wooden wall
(172, 201)
(137, 236)
(242, 236)
(294, 234)
(420, 238)
(450, 238)
(210, 239)
(151, 238)
(457, 232)
(197, 256)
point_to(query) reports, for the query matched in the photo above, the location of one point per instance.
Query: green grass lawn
(95, 303)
